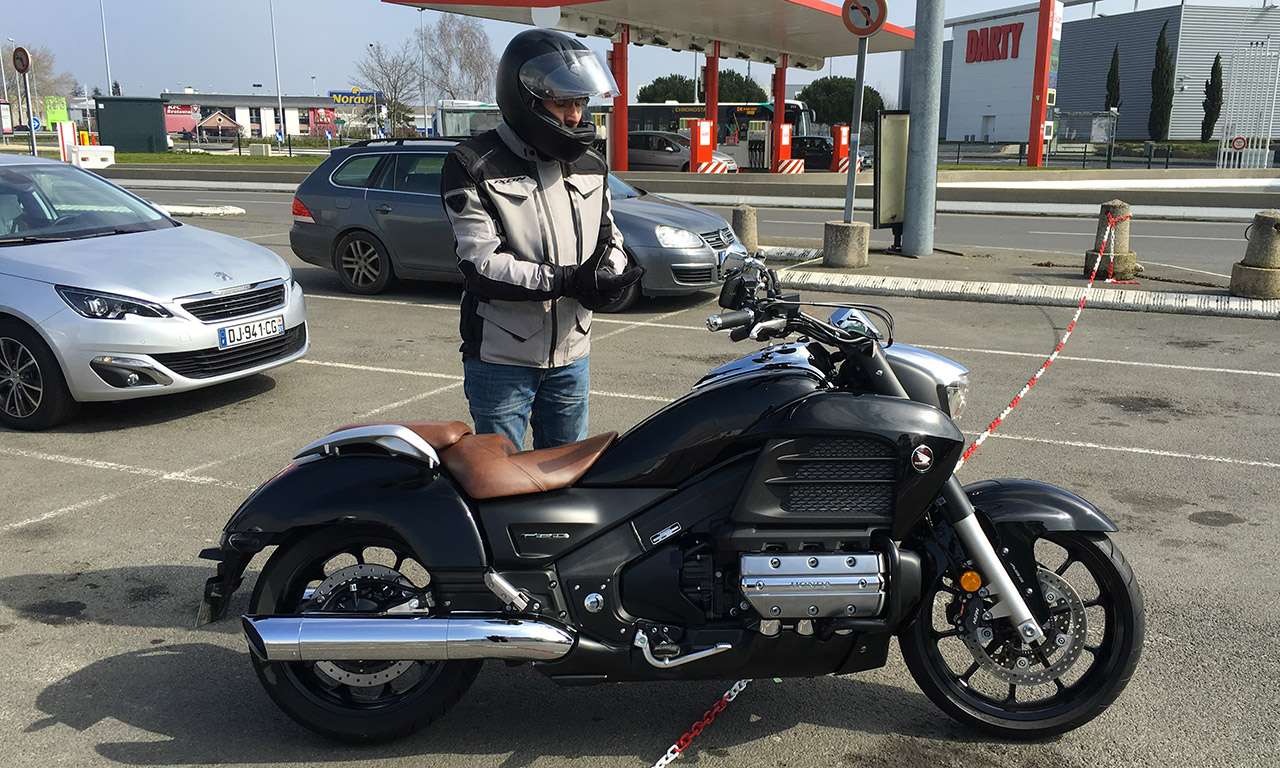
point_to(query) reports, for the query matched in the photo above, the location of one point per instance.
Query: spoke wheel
(363, 264)
(33, 391)
(358, 571)
(979, 671)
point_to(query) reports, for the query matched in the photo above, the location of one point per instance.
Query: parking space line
(144, 471)
(1144, 451)
(64, 510)
(1135, 363)
(265, 237)
(407, 400)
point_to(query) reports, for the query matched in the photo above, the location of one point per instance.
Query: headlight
(958, 396)
(674, 237)
(107, 306)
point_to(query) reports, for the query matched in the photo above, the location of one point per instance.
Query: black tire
(363, 264)
(33, 390)
(1104, 661)
(420, 694)
(684, 168)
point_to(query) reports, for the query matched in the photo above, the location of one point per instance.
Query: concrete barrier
(845, 244)
(1117, 260)
(93, 156)
(744, 226)
(1257, 276)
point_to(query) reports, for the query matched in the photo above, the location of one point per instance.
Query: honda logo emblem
(922, 459)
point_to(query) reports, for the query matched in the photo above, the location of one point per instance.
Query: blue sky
(226, 46)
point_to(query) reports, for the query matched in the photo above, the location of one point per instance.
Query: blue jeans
(504, 398)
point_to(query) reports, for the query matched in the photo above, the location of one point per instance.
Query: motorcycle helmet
(544, 64)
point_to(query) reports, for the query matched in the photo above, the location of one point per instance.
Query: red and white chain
(1107, 237)
(708, 718)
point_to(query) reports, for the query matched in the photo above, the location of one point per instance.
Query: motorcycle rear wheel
(352, 701)
(986, 686)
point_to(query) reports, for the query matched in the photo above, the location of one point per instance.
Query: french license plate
(247, 333)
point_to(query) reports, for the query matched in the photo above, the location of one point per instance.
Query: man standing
(536, 242)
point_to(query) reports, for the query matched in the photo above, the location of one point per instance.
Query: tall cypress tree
(1161, 89)
(1212, 99)
(1113, 80)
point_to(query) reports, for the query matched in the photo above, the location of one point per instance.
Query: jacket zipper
(552, 252)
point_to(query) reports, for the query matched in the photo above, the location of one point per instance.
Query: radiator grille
(696, 275)
(719, 239)
(841, 477)
(237, 305)
(207, 363)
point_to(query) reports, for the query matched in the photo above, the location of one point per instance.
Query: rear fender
(410, 499)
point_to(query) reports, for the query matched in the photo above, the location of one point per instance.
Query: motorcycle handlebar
(735, 319)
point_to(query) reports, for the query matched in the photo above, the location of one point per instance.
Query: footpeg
(642, 642)
(506, 591)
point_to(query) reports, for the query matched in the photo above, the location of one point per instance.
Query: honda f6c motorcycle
(786, 518)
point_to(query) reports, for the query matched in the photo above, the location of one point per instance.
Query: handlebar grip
(734, 319)
(740, 333)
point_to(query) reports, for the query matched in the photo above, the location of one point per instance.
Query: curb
(1038, 295)
(187, 184)
(185, 211)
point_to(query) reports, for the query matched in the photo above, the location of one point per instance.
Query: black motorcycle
(786, 518)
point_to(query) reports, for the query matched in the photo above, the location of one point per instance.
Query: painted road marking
(1149, 237)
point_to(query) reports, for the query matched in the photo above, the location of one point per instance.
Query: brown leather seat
(438, 434)
(489, 466)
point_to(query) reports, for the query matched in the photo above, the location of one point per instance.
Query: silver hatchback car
(105, 297)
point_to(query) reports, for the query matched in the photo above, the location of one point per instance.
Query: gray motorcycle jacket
(516, 217)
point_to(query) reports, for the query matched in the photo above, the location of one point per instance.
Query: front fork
(1008, 600)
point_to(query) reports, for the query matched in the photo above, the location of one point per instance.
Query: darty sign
(993, 43)
(355, 96)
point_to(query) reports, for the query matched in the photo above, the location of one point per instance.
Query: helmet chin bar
(574, 141)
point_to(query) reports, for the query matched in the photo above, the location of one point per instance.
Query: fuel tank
(703, 427)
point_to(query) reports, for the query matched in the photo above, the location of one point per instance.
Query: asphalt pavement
(1166, 422)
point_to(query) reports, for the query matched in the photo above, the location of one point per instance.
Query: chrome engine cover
(815, 585)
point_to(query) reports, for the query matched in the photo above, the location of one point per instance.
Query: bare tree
(459, 60)
(44, 80)
(394, 72)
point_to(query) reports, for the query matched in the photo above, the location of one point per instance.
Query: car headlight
(674, 237)
(958, 396)
(107, 306)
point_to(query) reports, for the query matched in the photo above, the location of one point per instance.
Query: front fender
(1051, 508)
(409, 498)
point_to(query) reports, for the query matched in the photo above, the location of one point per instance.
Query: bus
(457, 119)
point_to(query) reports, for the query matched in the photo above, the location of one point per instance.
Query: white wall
(1000, 88)
(267, 122)
(242, 118)
(291, 127)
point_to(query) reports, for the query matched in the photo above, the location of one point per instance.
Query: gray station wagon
(372, 212)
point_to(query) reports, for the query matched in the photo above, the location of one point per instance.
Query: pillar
(618, 130)
(779, 108)
(1040, 85)
(712, 87)
(1258, 275)
(921, 194)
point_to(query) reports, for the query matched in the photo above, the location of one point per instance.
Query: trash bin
(1148, 149)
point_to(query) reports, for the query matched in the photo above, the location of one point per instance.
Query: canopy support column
(779, 109)
(618, 126)
(713, 89)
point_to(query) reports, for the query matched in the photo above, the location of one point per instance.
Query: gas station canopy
(807, 31)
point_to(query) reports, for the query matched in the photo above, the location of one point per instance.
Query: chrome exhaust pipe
(396, 638)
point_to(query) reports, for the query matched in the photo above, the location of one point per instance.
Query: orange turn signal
(970, 581)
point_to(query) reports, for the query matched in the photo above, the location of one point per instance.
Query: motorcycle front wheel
(980, 673)
(353, 570)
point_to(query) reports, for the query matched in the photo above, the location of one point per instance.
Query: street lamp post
(102, 11)
(17, 89)
(276, 56)
(4, 82)
(422, 70)
(313, 85)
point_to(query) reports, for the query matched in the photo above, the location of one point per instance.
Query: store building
(988, 68)
(255, 114)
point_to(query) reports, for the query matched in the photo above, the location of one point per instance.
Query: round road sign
(21, 60)
(35, 123)
(1238, 142)
(864, 17)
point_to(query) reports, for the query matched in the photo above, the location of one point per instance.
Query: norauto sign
(993, 43)
(355, 96)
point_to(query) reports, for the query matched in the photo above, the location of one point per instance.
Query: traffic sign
(864, 17)
(21, 60)
(1238, 143)
(35, 125)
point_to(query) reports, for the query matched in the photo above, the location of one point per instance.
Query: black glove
(593, 284)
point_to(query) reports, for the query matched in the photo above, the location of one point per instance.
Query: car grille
(237, 305)
(696, 275)
(207, 363)
(721, 238)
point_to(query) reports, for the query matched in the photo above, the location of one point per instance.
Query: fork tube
(1009, 603)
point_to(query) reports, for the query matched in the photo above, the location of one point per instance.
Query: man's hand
(593, 284)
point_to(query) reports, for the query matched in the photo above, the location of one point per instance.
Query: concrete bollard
(744, 226)
(845, 244)
(1125, 261)
(1257, 276)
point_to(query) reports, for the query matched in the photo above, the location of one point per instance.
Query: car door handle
(384, 208)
